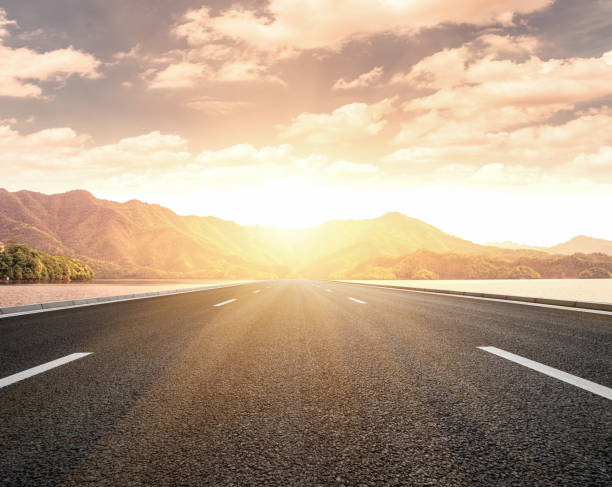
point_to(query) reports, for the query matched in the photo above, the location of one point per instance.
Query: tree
(424, 274)
(595, 273)
(523, 272)
(19, 262)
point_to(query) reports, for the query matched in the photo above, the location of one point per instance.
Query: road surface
(306, 383)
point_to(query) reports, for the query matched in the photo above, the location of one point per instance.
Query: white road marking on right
(39, 369)
(257, 291)
(587, 385)
(358, 300)
(225, 302)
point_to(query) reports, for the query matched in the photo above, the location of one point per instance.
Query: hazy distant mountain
(516, 246)
(583, 244)
(143, 240)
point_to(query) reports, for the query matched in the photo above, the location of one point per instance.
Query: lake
(597, 290)
(16, 294)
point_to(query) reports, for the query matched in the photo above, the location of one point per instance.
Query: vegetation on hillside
(424, 264)
(140, 240)
(595, 273)
(18, 262)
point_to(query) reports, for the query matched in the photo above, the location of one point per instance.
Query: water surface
(16, 294)
(598, 290)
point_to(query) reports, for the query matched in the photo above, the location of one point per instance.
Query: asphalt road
(299, 385)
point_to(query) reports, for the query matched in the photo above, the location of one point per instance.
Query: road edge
(586, 306)
(28, 309)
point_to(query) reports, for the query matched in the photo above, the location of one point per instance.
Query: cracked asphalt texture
(300, 386)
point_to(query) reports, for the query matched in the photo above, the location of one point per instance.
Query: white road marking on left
(358, 301)
(39, 369)
(257, 291)
(587, 385)
(225, 302)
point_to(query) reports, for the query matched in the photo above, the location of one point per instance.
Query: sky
(490, 119)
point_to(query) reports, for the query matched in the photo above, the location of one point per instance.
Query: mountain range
(136, 239)
(580, 244)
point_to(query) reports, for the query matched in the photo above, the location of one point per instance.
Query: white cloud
(346, 123)
(240, 44)
(180, 75)
(214, 106)
(22, 69)
(362, 81)
(285, 29)
(246, 154)
(5, 23)
(472, 80)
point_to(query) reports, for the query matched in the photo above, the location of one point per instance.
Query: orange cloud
(346, 123)
(362, 81)
(286, 29)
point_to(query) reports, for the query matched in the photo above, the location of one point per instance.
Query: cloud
(346, 123)
(134, 53)
(5, 23)
(285, 29)
(577, 148)
(22, 69)
(188, 74)
(362, 81)
(472, 80)
(246, 154)
(241, 44)
(181, 75)
(214, 106)
(494, 103)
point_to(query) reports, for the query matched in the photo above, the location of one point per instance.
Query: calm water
(15, 294)
(598, 290)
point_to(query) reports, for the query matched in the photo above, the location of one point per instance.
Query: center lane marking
(358, 300)
(39, 369)
(222, 303)
(257, 291)
(587, 385)
(329, 290)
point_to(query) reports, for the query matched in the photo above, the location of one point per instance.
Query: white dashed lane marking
(39, 369)
(587, 385)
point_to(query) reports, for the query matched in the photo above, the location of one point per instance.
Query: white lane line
(329, 290)
(225, 302)
(587, 385)
(358, 300)
(257, 291)
(39, 369)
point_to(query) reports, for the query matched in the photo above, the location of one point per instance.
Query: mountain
(516, 246)
(133, 238)
(136, 239)
(584, 245)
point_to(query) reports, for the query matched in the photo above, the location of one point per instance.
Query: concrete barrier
(21, 309)
(57, 304)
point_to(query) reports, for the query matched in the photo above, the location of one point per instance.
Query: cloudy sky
(491, 119)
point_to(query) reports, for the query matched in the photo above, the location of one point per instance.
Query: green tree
(424, 274)
(595, 273)
(523, 272)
